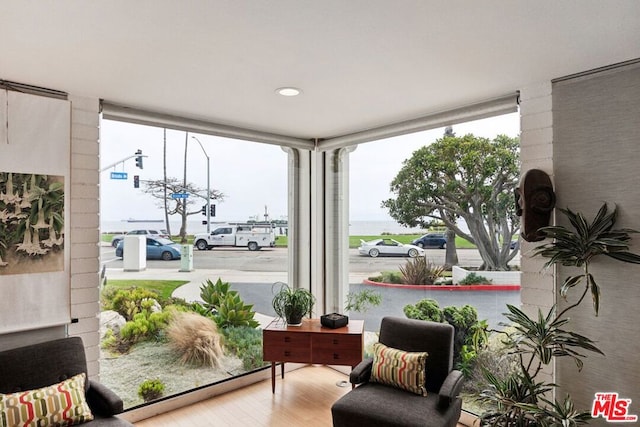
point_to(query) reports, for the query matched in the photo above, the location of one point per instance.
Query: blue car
(431, 240)
(157, 248)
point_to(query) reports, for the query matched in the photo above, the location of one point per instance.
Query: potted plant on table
(521, 398)
(292, 304)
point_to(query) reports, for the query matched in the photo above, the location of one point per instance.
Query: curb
(447, 288)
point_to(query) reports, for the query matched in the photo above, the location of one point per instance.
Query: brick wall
(85, 226)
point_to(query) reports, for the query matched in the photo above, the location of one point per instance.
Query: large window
(159, 336)
(372, 167)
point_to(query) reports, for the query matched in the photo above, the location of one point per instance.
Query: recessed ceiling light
(288, 91)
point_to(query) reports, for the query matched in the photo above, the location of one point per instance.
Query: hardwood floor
(303, 398)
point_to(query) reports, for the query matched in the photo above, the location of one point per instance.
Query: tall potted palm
(519, 398)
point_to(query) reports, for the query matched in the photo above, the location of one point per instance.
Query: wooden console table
(311, 343)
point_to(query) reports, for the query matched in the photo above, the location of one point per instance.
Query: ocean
(356, 228)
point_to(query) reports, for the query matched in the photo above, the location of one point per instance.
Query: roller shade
(494, 107)
(143, 117)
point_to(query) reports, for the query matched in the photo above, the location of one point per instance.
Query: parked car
(157, 248)
(388, 247)
(155, 233)
(431, 240)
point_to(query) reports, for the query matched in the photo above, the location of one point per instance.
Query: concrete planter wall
(496, 277)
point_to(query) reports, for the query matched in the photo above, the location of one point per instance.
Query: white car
(389, 247)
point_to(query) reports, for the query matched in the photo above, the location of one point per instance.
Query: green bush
(246, 343)
(151, 390)
(129, 302)
(388, 277)
(470, 333)
(145, 325)
(474, 279)
(425, 309)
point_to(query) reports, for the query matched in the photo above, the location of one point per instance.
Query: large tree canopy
(469, 178)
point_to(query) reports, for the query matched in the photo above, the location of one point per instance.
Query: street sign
(118, 175)
(179, 195)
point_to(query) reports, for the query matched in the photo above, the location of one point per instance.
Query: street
(275, 259)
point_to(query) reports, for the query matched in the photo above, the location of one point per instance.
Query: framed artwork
(31, 223)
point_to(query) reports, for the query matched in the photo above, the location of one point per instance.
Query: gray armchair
(375, 404)
(44, 364)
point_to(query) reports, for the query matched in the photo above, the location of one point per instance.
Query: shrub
(145, 325)
(151, 390)
(425, 309)
(420, 271)
(195, 338)
(470, 333)
(129, 302)
(388, 277)
(246, 343)
(474, 279)
(225, 306)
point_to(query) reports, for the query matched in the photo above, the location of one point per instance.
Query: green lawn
(163, 287)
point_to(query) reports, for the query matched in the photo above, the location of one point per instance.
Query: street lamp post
(208, 188)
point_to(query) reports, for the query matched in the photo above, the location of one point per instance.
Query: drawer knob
(336, 356)
(335, 341)
(287, 353)
(287, 339)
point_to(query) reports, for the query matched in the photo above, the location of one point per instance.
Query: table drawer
(285, 347)
(337, 349)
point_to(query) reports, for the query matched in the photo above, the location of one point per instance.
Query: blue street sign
(179, 195)
(118, 175)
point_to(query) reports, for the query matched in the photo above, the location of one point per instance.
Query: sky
(252, 175)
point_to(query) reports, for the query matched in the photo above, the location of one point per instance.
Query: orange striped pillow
(61, 404)
(399, 368)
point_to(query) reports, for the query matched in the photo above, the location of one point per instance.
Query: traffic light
(204, 210)
(136, 181)
(139, 159)
(212, 210)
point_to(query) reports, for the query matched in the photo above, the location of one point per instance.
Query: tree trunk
(451, 252)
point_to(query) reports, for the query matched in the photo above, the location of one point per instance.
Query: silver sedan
(388, 247)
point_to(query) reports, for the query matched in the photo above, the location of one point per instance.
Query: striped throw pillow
(399, 368)
(61, 404)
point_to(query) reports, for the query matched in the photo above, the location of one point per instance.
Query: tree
(469, 178)
(162, 190)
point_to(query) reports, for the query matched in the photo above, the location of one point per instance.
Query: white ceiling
(360, 63)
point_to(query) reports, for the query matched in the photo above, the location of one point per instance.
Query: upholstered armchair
(48, 382)
(401, 386)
